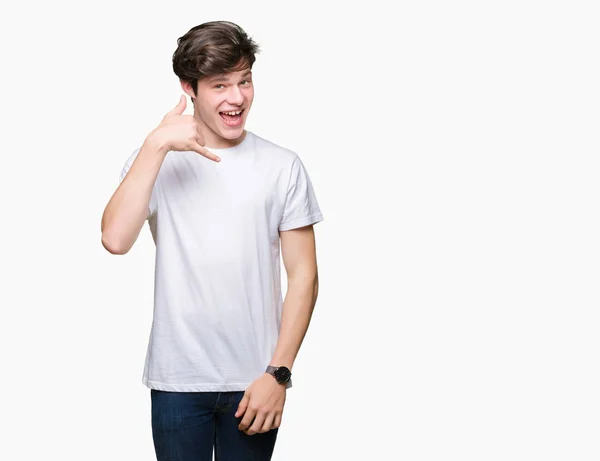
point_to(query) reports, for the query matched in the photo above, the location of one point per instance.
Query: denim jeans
(187, 426)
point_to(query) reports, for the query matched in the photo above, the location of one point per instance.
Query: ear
(187, 89)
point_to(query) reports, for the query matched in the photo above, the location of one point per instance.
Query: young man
(220, 201)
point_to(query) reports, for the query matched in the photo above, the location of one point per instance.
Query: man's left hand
(262, 405)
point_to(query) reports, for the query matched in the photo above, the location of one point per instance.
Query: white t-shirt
(217, 288)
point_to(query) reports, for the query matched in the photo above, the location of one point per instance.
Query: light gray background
(453, 147)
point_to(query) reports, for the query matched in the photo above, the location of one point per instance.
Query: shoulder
(282, 155)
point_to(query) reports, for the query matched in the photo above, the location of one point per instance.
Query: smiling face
(222, 105)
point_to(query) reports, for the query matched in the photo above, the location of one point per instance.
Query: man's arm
(127, 209)
(261, 407)
(300, 261)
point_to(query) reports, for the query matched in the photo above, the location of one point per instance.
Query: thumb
(243, 406)
(180, 107)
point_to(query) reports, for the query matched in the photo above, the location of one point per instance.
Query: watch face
(283, 374)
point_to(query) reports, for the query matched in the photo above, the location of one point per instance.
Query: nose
(235, 96)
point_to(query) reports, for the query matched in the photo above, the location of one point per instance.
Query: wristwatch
(283, 375)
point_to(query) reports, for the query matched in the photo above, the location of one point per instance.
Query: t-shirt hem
(307, 220)
(196, 387)
(230, 387)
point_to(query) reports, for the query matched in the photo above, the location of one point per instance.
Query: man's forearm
(127, 209)
(298, 307)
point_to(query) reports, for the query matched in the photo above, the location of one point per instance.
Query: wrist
(281, 374)
(156, 144)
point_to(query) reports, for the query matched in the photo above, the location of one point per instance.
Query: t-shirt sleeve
(301, 206)
(152, 206)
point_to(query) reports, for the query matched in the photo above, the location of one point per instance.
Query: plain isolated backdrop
(453, 147)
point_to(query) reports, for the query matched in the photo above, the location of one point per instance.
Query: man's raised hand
(180, 132)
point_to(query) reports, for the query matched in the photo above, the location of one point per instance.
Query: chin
(232, 133)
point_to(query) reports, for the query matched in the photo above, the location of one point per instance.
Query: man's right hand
(181, 132)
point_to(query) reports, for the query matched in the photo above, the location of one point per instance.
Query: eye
(218, 85)
(246, 82)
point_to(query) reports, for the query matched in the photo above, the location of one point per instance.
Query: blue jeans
(186, 426)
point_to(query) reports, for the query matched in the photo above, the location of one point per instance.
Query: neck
(214, 140)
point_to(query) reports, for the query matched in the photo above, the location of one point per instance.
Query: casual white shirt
(218, 299)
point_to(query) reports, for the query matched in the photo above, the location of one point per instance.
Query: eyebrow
(222, 78)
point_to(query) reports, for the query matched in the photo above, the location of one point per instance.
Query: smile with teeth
(232, 118)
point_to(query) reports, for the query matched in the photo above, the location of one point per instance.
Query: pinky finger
(277, 421)
(206, 153)
(268, 424)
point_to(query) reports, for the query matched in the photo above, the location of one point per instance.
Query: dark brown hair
(213, 48)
